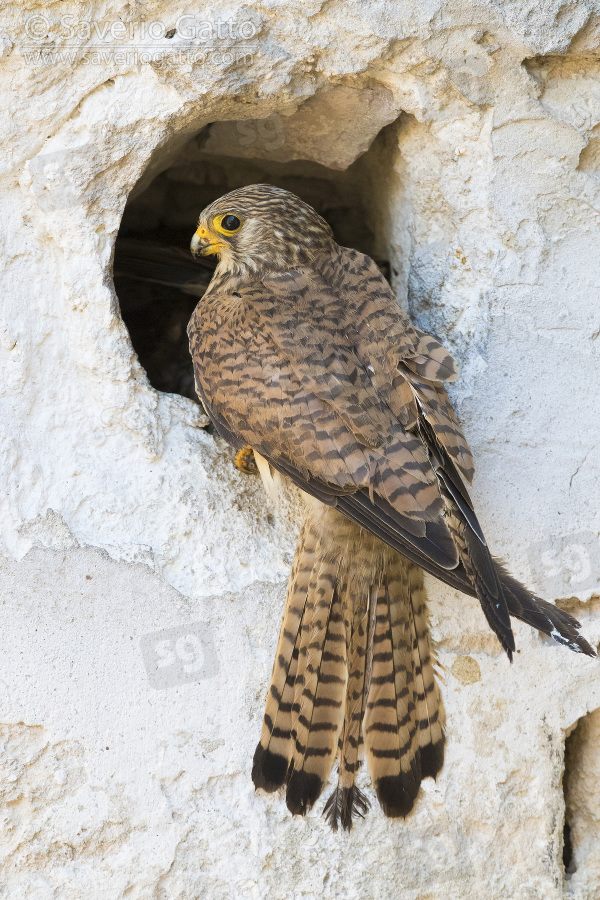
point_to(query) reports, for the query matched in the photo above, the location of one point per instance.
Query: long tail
(353, 665)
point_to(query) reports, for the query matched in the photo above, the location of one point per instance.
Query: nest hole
(157, 281)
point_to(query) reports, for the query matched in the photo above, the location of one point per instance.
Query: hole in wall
(581, 787)
(156, 279)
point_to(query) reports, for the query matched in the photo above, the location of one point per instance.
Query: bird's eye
(227, 223)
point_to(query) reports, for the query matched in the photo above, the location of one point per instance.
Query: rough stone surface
(131, 546)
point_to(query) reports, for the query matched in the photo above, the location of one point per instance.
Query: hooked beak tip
(196, 245)
(202, 245)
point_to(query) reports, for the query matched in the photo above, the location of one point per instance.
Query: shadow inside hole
(568, 861)
(572, 747)
(153, 280)
(156, 279)
(581, 787)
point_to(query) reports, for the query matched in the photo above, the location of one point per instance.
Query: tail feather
(343, 805)
(274, 751)
(355, 668)
(431, 715)
(347, 800)
(321, 679)
(390, 728)
(404, 720)
(319, 694)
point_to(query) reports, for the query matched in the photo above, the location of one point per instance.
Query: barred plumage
(302, 352)
(353, 635)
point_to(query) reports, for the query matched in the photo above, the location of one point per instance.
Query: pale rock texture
(130, 544)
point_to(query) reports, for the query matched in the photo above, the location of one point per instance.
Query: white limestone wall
(142, 577)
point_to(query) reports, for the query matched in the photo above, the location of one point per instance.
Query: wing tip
(577, 642)
(549, 619)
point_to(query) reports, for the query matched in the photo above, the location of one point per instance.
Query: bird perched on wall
(302, 352)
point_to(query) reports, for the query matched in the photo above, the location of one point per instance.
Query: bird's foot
(245, 462)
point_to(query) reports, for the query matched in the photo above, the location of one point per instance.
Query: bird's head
(260, 228)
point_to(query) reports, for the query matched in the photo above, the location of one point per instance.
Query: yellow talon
(245, 462)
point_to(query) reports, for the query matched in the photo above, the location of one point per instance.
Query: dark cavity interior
(154, 269)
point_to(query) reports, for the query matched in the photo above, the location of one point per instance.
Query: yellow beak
(204, 244)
